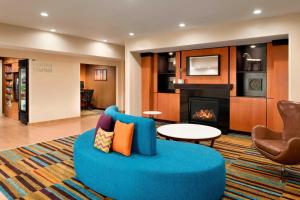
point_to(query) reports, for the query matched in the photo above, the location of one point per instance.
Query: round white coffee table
(151, 113)
(189, 132)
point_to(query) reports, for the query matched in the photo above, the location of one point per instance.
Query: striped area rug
(45, 171)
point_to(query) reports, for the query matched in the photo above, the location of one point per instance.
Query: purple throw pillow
(105, 122)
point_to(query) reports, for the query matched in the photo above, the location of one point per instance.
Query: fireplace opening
(203, 110)
(204, 114)
(205, 104)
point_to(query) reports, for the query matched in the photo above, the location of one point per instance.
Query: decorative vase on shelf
(180, 81)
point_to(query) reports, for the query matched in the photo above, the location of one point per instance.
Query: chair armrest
(291, 155)
(294, 144)
(262, 132)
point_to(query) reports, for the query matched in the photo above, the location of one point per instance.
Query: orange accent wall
(147, 83)
(155, 72)
(233, 71)
(278, 71)
(222, 79)
(104, 91)
(277, 84)
(83, 72)
(178, 63)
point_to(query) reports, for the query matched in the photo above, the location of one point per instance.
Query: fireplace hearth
(205, 104)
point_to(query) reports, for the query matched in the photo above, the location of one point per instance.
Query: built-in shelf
(251, 75)
(166, 73)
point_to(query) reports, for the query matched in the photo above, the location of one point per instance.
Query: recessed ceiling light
(105, 41)
(181, 25)
(253, 46)
(44, 14)
(171, 53)
(257, 11)
(131, 34)
(53, 30)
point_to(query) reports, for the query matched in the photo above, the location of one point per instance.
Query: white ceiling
(114, 19)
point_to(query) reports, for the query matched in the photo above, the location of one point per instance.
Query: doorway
(97, 88)
(15, 88)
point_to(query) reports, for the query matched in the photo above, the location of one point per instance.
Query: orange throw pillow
(123, 138)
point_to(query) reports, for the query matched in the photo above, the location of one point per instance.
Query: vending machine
(23, 90)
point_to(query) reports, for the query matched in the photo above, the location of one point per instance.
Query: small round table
(151, 113)
(189, 132)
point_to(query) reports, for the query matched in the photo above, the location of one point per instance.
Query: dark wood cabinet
(270, 65)
(246, 112)
(158, 93)
(169, 105)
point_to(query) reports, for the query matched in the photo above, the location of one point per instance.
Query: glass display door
(23, 91)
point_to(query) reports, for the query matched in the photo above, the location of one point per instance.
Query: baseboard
(52, 121)
(98, 108)
(164, 121)
(239, 132)
(121, 111)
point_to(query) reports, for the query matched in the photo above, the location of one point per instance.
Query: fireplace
(203, 110)
(205, 104)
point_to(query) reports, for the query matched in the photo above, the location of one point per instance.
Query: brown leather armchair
(283, 148)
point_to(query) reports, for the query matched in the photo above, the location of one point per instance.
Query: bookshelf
(10, 90)
(8, 77)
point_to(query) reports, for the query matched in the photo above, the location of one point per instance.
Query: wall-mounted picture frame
(203, 65)
(100, 74)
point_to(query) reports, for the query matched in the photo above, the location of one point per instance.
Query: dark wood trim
(146, 54)
(280, 42)
(203, 86)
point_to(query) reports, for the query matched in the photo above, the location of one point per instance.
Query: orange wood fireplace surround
(244, 111)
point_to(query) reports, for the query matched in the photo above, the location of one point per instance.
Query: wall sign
(42, 67)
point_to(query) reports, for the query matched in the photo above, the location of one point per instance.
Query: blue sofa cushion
(178, 171)
(144, 136)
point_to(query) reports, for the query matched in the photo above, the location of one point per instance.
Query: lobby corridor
(14, 134)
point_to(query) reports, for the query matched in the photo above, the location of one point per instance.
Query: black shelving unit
(252, 70)
(166, 72)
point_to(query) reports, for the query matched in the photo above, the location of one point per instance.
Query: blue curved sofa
(176, 170)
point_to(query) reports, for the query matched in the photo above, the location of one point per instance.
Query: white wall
(56, 94)
(26, 38)
(191, 38)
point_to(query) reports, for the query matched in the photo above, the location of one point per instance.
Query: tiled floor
(14, 134)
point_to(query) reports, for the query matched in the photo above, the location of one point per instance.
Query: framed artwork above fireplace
(203, 65)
